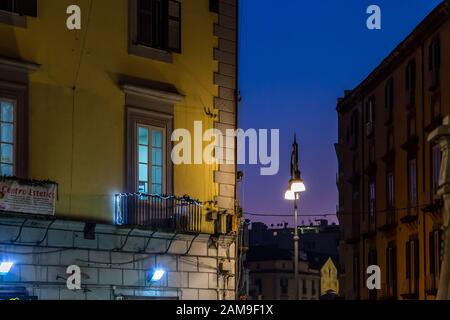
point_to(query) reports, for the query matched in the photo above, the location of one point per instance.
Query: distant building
(329, 281)
(389, 209)
(270, 261)
(321, 240)
(271, 275)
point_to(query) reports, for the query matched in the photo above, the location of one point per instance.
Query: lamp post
(296, 186)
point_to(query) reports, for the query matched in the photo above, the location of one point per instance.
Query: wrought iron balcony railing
(158, 212)
(410, 288)
(432, 284)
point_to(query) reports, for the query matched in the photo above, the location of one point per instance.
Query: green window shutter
(174, 26)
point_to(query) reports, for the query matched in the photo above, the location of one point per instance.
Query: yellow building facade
(77, 107)
(96, 106)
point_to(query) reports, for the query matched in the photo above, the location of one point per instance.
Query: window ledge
(13, 19)
(150, 53)
(17, 65)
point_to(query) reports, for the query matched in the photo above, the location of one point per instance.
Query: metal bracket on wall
(209, 113)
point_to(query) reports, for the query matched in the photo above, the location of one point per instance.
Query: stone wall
(116, 264)
(226, 103)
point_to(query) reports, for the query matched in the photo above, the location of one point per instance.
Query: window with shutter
(14, 12)
(174, 32)
(21, 7)
(155, 28)
(27, 7)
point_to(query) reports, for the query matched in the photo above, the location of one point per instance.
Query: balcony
(432, 284)
(388, 292)
(170, 214)
(411, 217)
(434, 209)
(390, 222)
(410, 289)
(370, 227)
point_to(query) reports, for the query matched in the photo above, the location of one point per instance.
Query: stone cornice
(152, 93)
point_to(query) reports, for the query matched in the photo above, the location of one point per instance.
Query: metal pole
(296, 239)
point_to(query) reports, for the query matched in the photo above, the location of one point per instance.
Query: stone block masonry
(226, 102)
(114, 265)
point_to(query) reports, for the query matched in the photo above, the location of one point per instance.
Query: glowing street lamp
(296, 186)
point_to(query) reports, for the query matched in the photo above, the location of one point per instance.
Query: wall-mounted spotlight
(157, 275)
(5, 267)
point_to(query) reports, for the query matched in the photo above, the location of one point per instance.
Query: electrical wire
(335, 214)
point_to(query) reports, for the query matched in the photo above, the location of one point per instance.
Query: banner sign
(28, 197)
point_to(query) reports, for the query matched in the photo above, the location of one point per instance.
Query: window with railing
(151, 159)
(356, 275)
(410, 83)
(411, 126)
(434, 62)
(391, 270)
(389, 100)
(390, 190)
(412, 184)
(372, 260)
(313, 288)
(412, 266)
(372, 202)
(435, 240)
(370, 116)
(284, 284)
(304, 287)
(390, 141)
(150, 170)
(354, 129)
(436, 157)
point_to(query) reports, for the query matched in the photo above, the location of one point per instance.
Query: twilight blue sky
(296, 58)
